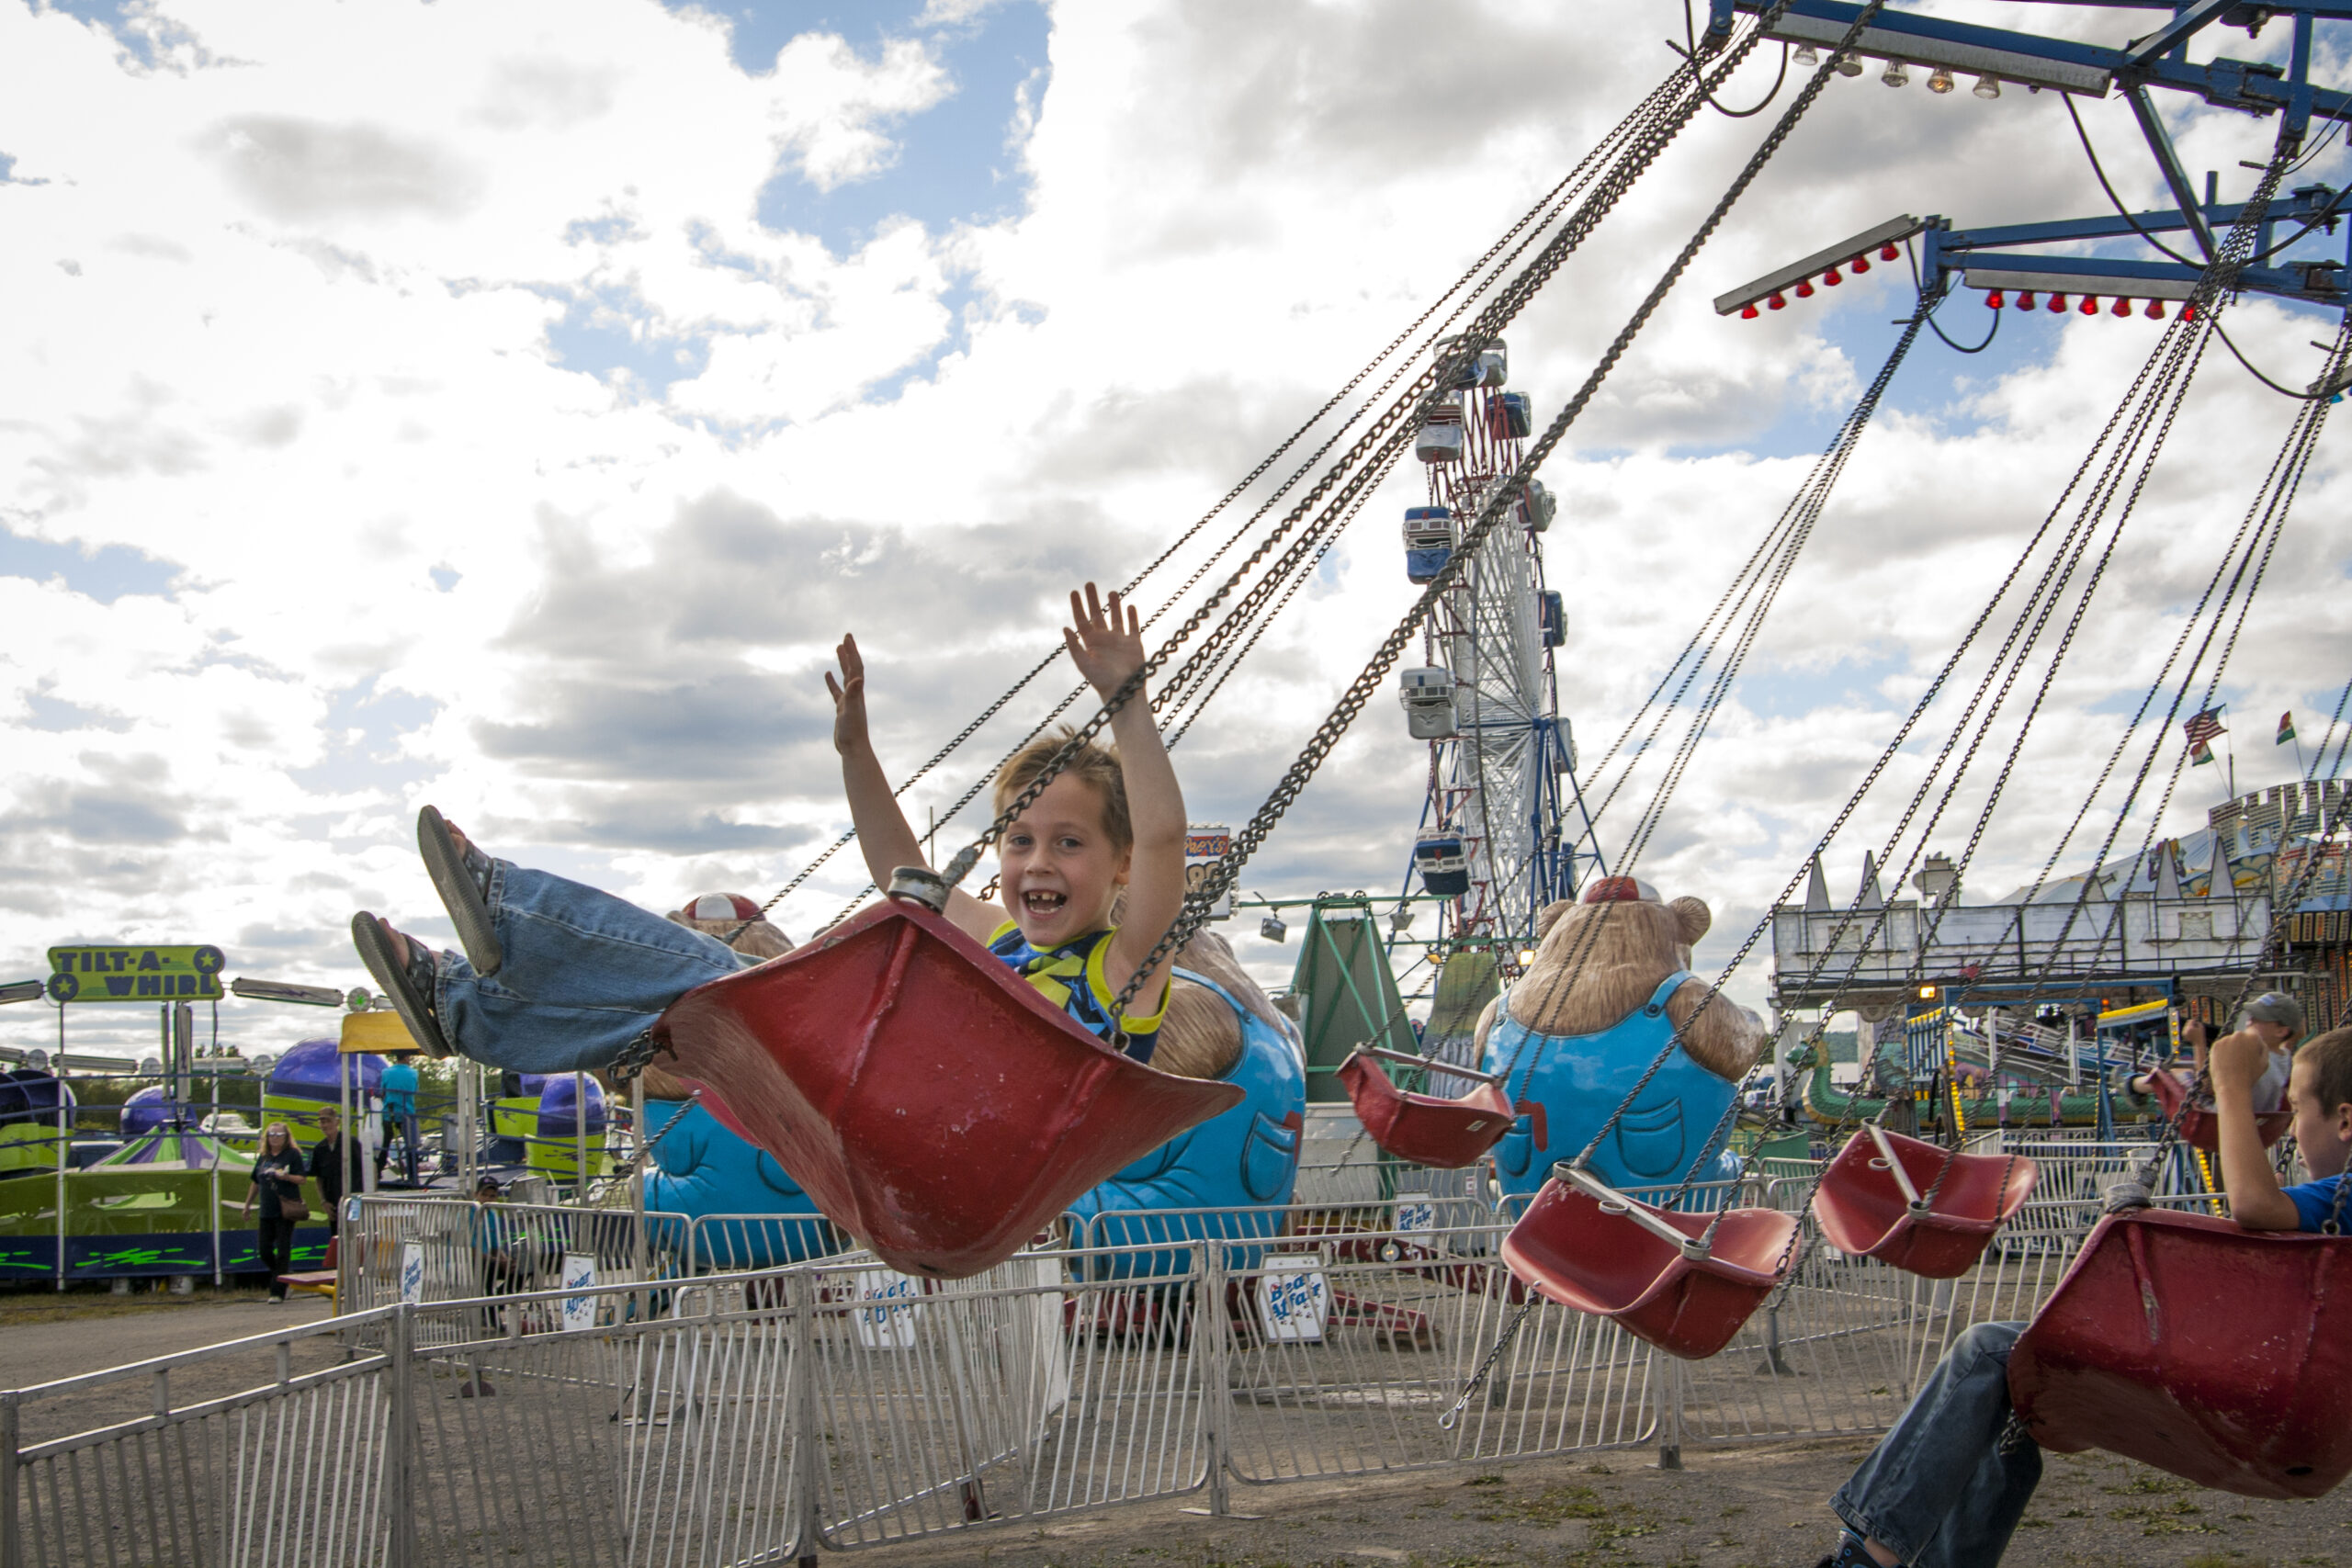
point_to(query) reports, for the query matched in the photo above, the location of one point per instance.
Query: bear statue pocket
(774, 1177)
(1270, 1158)
(1650, 1140)
(1517, 1150)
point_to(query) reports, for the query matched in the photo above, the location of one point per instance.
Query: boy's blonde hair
(2330, 1055)
(1092, 765)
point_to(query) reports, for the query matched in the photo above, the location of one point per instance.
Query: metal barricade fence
(263, 1451)
(744, 1418)
(430, 1248)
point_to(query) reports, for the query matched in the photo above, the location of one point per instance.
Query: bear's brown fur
(1597, 962)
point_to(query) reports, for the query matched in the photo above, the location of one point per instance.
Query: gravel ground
(1748, 1508)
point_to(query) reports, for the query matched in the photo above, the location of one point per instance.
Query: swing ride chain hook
(1477, 1380)
(1483, 331)
(637, 1056)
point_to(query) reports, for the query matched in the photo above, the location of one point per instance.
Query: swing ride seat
(1609, 1257)
(929, 1099)
(1444, 1135)
(2218, 1354)
(2197, 1126)
(1867, 1208)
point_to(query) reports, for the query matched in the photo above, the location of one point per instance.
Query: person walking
(399, 1087)
(331, 1163)
(278, 1182)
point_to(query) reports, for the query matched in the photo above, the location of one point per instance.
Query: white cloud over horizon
(482, 405)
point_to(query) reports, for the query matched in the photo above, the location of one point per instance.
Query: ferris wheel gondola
(1491, 840)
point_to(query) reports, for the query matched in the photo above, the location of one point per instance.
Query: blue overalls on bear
(701, 1167)
(1244, 1161)
(1575, 1082)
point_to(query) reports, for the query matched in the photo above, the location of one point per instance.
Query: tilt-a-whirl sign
(135, 973)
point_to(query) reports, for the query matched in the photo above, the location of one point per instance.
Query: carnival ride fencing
(754, 1418)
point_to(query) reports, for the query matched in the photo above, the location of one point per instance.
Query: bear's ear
(1549, 916)
(1691, 917)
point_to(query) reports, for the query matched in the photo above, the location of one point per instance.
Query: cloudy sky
(505, 404)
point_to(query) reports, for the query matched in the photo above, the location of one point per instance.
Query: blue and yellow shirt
(1071, 977)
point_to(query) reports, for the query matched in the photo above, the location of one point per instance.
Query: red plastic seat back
(2218, 1354)
(1576, 1251)
(929, 1099)
(1444, 1133)
(1862, 1209)
(2199, 1128)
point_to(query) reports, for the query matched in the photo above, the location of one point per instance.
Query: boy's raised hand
(2238, 1061)
(849, 698)
(1107, 642)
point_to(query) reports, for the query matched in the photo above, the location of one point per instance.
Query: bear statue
(1610, 986)
(1243, 1162)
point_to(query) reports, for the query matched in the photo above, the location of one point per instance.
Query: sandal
(411, 991)
(462, 878)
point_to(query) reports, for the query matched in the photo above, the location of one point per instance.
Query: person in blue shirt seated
(1942, 1489)
(556, 977)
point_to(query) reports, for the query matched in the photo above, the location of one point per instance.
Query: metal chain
(1544, 209)
(1507, 495)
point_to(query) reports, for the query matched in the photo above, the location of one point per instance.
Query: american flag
(2200, 729)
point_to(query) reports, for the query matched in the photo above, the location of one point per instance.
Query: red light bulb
(2057, 303)
(2089, 307)
(2188, 309)
(1831, 278)
(1888, 252)
(1859, 266)
(1778, 301)
(2122, 307)
(1747, 312)
(1993, 301)
(2155, 310)
(2025, 300)
(1804, 289)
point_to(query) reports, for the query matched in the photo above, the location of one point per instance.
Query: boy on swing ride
(556, 977)
(1944, 1489)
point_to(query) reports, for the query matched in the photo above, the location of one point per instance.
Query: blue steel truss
(2004, 256)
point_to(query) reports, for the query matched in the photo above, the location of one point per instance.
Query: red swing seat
(1586, 1247)
(1871, 1201)
(2218, 1354)
(929, 1100)
(1446, 1135)
(2199, 1127)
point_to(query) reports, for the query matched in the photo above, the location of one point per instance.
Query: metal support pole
(641, 1251)
(1216, 1379)
(64, 1149)
(807, 1438)
(580, 1137)
(1669, 1447)
(400, 1443)
(11, 1547)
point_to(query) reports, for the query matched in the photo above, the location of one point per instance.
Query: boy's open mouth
(1043, 901)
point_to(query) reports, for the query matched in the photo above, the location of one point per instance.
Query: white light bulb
(1986, 87)
(1940, 82)
(1895, 75)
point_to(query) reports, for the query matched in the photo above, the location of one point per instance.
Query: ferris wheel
(1491, 840)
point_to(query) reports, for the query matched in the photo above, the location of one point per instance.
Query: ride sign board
(1208, 845)
(135, 973)
(579, 1275)
(1293, 1298)
(887, 1303)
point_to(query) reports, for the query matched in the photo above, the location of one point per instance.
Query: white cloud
(361, 292)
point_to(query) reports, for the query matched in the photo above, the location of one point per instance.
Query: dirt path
(49, 1336)
(1752, 1507)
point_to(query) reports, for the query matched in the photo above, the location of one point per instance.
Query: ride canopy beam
(2255, 87)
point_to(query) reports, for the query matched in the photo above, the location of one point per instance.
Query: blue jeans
(1938, 1489)
(584, 972)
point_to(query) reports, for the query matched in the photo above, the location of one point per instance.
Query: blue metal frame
(2158, 60)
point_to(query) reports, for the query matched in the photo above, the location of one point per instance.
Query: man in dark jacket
(332, 1166)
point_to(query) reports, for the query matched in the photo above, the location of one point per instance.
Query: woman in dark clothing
(277, 1182)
